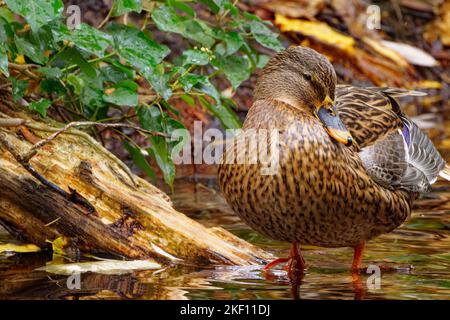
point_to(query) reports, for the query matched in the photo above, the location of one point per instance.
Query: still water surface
(418, 254)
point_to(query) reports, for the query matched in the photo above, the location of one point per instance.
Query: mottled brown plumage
(325, 193)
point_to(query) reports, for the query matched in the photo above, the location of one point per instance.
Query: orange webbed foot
(295, 263)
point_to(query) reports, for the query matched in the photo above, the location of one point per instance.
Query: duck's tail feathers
(445, 173)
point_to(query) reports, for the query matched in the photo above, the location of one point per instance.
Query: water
(417, 256)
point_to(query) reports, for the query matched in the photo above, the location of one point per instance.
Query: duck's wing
(394, 151)
(368, 114)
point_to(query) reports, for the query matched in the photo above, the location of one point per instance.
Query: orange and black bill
(334, 126)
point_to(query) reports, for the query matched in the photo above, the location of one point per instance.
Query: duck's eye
(307, 76)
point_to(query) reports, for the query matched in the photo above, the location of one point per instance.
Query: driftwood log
(82, 192)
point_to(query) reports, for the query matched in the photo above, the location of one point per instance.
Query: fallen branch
(90, 201)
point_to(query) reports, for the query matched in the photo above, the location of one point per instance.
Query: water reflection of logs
(20, 282)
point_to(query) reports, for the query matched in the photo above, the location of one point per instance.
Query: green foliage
(37, 13)
(124, 73)
(18, 88)
(3, 61)
(40, 106)
(121, 7)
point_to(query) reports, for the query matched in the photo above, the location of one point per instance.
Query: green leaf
(251, 54)
(30, 50)
(159, 81)
(52, 86)
(129, 84)
(232, 8)
(199, 31)
(226, 116)
(214, 5)
(51, 73)
(232, 41)
(152, 119)
(76, 82)
(262, 60)
(6, 14)
(188, 81)
(92, 99)
(120, 7)
(170, 108)
(6, 32)
(205, 86)
(3, 33)
(172, 124)
(196, 57)
(123, 95)
(35, 45)
(265, 36)
(200, 83)
(116, 72)
(139, 160)
(40, 106)
(91, 94)
(112, 74)
(37, 12)
(18, 88)
(167, 19)
(137, 48)
(159, 149)
(251, 17)
(86, 38)
(71, 56)
(4, 61)
(188, 99)
(236, 68)
(181, 6)
(44, 38)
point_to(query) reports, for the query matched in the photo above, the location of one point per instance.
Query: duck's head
(304, 79)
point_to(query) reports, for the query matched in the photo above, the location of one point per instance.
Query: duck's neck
(288, 100)
(282, 86)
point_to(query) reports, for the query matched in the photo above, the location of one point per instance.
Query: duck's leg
(358, 286)
(356, 265)
(295, 261)
(275, 262)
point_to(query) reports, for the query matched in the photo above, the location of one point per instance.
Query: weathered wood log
(99, 208)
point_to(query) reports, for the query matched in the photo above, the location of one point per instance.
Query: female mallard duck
(350, 162)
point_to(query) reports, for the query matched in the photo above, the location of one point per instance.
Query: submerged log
(98, 207)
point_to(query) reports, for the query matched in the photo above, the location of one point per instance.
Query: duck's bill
(335, 127)
(343, 137)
